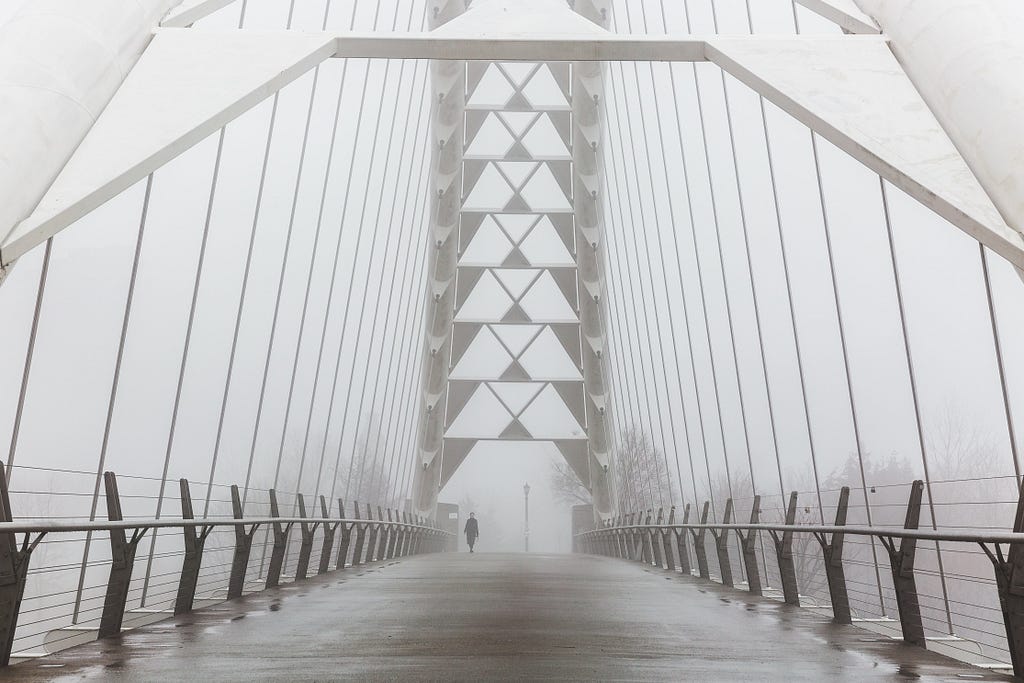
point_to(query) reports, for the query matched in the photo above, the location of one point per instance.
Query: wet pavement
(462, 617)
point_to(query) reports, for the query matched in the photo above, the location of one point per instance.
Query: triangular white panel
(489, 245)
(543, 141)
(518, 172)
(519, 121)
(546, 359)
(483, 417)
(491, 192)
(549, 417)
(516, 337)
(543, 246)
(186, 86)
(487, 301)
(543, 92)
(492, 140)
(518, 72)
(485, 357)
(874, 113)
(543, 193)
(517, 224)
(492, 91)
(516, 395)
(517, 280)
(545, 301)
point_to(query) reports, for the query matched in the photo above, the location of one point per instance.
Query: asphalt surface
(480, 617)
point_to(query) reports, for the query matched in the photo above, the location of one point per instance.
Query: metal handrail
(641, 536)
(50, 527)
(876, 531)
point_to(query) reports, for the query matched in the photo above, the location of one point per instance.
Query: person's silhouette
(472, 530)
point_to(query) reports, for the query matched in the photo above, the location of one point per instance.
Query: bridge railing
(647, 538)
(343, 540)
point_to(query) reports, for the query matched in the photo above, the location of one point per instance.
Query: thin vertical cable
(998, 346)
(114, 385)
(914, 393)
(44, 270)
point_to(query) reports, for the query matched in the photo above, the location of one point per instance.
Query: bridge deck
(498, 616)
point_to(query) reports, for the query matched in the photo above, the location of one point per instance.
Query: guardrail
(634, 537)
(368, 539)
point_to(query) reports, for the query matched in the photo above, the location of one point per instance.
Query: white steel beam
(60, 63)
(191, 11)
(843, 13)
(187, 85)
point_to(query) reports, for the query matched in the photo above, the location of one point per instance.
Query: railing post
(666, 540)
(306, 548)
(394, 535)
(698, 544)
(357, 552)
(243, 546)
(1009, 572)
(749, 543)
(122, 553)
(280, 543)
(637, 538)
(13, 570)
(722, 547)
(784, 553)
(195, 540)
(832, 550)
(383, 535)
(655, 535)
(682, 544)
(328, 544)
(901, 562)
(371, 544)
(346, 535)
(647, 548)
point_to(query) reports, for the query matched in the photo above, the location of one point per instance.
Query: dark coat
(471, 528)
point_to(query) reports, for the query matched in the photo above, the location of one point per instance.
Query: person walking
(472, 530)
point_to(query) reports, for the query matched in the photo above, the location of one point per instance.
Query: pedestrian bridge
(493, 616)
(288, 288)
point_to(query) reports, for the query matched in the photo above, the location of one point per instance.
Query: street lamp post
(526, 509)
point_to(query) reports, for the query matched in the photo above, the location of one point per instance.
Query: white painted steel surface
(966, 57)
(60, 63)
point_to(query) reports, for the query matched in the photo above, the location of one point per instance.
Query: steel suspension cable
(287, 253)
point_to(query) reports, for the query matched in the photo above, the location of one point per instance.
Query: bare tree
(642, 477)
(566, 485)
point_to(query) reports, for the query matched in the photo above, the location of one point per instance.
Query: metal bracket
(13, 570)
(832, 550)
(195, 541)
(1009, 570)
(784, 552)
(346, 535)
(122, 553)
(698, 544)
(371, 544)
(901, 561)
(645, 539)
(329, 531)
(280, 544)
(666, 540)
(722, 547)
(382, 534)
(392, 534)
(357, 553)
(306, 547)
(243, 547)
(682, 544)
(655, 536)
(748, 541)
